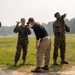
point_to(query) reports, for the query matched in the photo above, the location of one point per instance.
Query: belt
(44, 37)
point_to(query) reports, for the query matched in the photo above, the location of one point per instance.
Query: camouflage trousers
(18, 52)
(59, 44)
(43, 49)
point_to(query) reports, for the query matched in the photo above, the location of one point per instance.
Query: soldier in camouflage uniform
(23, 32)
(59, 28)
(0, 24)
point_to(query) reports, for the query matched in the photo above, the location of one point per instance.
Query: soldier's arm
(66, 25)
(29, 31)
(16, 29)
(67, 29)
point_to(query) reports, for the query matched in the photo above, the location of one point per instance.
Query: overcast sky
(41, 10)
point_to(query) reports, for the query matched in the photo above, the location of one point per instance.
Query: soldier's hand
(18, 22)
(28, 27)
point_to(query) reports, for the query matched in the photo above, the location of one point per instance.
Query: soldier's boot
(15, 64)
(55, 63)
(64, 62)
(23, 62)
(45, 67)
(36, 70)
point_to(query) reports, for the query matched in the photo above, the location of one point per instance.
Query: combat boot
(45, 67)
(55, 63)
(36, 70)
(23, 62)
(15, 64)
(64, 62)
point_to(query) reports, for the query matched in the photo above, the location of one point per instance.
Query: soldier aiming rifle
(59, 28)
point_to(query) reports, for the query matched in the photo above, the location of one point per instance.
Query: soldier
(43, 47)
(59, 28)
(0, 24)
(23, 32)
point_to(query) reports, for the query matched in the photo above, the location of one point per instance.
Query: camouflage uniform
(22, 43)
(59, 28)
(0, 24)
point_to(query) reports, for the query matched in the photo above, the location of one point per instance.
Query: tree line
(8, 31)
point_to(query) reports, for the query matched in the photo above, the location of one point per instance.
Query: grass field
(8, 48)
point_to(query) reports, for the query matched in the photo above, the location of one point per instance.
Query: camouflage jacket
(59, 29)
(23, 33)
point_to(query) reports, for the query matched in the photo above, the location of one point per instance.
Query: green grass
(8, 49)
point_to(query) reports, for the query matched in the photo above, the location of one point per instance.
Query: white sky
(41, 10)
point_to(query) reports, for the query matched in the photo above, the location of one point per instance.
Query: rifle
(62, 20)
(63, 16)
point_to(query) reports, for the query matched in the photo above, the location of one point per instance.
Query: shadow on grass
(9, 70)
(53, 70)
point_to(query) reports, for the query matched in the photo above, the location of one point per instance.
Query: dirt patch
(69, 71)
